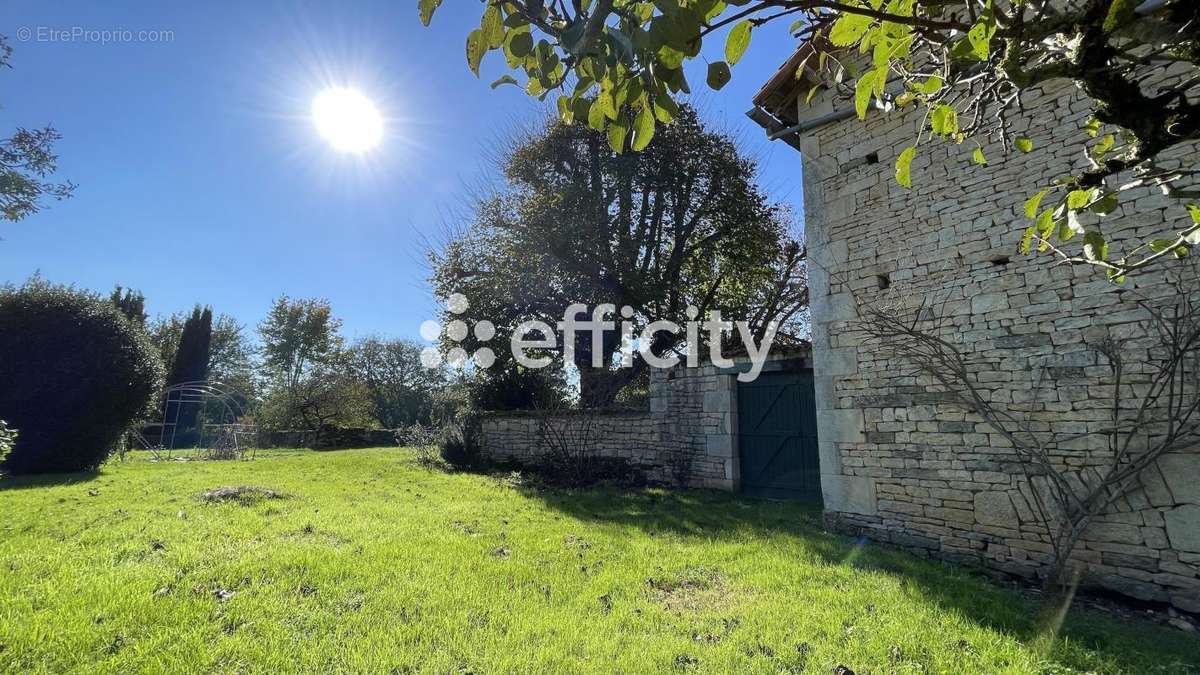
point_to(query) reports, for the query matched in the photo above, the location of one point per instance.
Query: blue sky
(201, 177)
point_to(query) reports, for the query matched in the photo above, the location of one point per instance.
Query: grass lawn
(372, 563)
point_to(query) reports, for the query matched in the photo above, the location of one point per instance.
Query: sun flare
(347, 120)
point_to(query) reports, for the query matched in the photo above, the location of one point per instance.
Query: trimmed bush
(74, 374)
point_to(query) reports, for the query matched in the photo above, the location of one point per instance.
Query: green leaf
(1105, 204)
(426, 9)
(1160, 245)
(862, 92)
(1092, 127)
(1102, 147)
(1094, 246)
(606, 104)
(980, 36)
(737, 42)
(718, 74)
(617, 131)
(1194, 210)
(1077, 199)
(978, 156)
(596, 116)
(904, 166)
(581, 108)
(643, 129)
(929, 86)
(670, 57)
(1024, 144)
(1120, 13)
(492, 25)
(943, 119)
(1032, 204)
(665, 109)
(1027, 240)
(505, 79)
(1045, 229)
(565, 112)
(475, 50)
(715, 11)
(519, 44)
(849, 29)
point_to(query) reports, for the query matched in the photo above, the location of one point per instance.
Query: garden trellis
(224, 437)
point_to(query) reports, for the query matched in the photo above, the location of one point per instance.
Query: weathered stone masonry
(692, 416)
(898, 463)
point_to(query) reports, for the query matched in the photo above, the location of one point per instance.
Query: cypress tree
(190, 365)
(131, 303)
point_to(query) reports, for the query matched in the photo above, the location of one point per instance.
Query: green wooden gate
(777, 436)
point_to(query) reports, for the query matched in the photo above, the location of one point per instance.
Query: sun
(347, 120)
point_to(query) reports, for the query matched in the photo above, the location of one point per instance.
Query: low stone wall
(629, 434)
(690, 429)
(327, 439)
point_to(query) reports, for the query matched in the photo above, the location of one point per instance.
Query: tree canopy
(678, 224)
(617, 65)
(26, 160)
(399, 387)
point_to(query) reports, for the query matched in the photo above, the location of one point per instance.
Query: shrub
(461, 446)
(417, 436)
(425, 440)
(7, 438)
(75, 375)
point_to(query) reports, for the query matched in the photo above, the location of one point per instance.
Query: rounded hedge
(74, 374)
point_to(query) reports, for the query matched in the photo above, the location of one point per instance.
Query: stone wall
(329, 439)
(689, 429)
(898, 462)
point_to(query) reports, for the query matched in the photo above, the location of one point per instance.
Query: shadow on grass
(1128, 645)
(42, 480)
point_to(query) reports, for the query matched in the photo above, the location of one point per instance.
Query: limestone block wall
(901, 464)
(632, 435)
(690, 426)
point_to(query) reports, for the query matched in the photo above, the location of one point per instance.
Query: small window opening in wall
(883, 280)
(873, 158)
(1001, 261)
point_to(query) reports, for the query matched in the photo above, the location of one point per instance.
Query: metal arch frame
(200, 392)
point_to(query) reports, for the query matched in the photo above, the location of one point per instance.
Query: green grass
(374, 564)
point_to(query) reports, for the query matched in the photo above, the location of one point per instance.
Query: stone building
(898, 463)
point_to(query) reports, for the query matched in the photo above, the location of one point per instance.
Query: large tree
(230, 354)
(190, 361)
(400, 388)
(26, 161)
(968, 63)
(190, 364)
(679, 224)
(298, 336)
